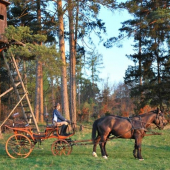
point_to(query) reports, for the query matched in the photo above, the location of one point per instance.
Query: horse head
(160, 121)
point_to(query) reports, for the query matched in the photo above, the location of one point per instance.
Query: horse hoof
(94, 154)
(141, 159)
(105, 157)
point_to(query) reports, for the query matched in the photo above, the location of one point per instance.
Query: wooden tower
(3, 21)
(13, 68)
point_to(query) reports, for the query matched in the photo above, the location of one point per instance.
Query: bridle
(160, 118)
(142, 125)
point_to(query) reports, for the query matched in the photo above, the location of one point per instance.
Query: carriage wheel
(18, 146)
(61, 147)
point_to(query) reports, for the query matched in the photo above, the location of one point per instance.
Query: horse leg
(102, 146)
(105, 149)
(135, 150)
(95, 145)
(138, 143)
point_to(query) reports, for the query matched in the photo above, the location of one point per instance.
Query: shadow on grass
(163, 149)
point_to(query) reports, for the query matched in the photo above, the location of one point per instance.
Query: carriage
(22, 143)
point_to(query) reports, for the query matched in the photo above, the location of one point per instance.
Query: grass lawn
(155, 151)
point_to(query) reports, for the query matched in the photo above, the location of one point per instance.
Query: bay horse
(127, 128)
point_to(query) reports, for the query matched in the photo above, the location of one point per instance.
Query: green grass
(155, 151)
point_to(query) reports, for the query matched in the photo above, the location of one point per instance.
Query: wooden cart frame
(21, 144)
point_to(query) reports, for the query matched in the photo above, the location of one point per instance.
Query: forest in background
(54, 74)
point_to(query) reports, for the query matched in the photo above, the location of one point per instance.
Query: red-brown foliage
(145, 109)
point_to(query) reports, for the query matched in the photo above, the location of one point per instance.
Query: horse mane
(144, 114)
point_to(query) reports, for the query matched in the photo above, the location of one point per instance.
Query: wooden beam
(9, 89)
(12, 111)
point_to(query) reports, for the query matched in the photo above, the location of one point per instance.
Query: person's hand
(68, 121)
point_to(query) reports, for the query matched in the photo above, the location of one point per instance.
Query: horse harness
(141, 127)
(137, 127)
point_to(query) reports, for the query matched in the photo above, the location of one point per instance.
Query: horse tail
(94, 129)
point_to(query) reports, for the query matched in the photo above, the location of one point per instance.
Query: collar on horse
(141, 125)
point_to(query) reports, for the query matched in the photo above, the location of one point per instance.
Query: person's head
(57, 106)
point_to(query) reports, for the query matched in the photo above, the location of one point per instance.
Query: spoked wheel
(18, 146)
(61, 147)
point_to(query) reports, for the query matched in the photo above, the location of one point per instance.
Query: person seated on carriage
(59, 120)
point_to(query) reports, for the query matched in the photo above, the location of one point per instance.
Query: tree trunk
(64, 93)
(140, 58)
(158, 73)
(41, 94)
(37, 91)
(52, 92)
(76, 32)
(72, 63)
(39, 76)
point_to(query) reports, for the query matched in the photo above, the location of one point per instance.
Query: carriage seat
(53, 126)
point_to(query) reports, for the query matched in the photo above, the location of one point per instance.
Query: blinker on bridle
(160, 114)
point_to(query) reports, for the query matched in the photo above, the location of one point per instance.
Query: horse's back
(117, 126)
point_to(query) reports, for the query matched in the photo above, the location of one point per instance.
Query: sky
(115, 61)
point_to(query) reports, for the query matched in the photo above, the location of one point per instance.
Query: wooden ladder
(20, 91)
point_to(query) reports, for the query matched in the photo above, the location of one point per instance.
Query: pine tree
(63, 59)
(151, 44)
(30, 14)
(81, 14)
